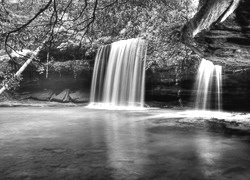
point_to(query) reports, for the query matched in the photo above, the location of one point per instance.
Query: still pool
(83, 143)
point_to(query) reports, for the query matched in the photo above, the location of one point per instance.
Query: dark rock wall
(236, 89)
(56, 81)
(228, 43)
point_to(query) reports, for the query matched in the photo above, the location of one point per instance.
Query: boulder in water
(61, 97)
(42, 95)
(79, 97)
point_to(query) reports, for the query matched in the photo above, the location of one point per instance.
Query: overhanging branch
(23, 26)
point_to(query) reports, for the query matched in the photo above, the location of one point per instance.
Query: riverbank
(36, 103)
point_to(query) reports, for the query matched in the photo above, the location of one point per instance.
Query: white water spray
(119, 74)
(207, 74)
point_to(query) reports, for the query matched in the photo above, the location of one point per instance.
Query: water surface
(83, 143)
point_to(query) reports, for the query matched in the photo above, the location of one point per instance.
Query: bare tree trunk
(209, 12)
(19, 72)
(47, 66)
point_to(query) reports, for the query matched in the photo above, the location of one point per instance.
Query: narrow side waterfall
(208, 86)
(119, 74)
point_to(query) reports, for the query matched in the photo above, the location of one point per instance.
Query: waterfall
(208, 86)
(119, 74)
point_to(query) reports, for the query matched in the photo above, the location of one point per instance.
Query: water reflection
(125, 140)
(136, 148)
(221, 155)
(109, 144)
(208, 149)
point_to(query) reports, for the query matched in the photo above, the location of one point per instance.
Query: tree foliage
(11, 82)
(76, 28)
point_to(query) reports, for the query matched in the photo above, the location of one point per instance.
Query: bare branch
(24, 25)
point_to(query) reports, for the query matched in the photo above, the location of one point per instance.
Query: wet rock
(61, 97)
(24, 95)
(79, 96)
(42, 95)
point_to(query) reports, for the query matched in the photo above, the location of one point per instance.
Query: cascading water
(119, 74)
(208, 83)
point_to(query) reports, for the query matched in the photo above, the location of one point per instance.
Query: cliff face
(228, 43)
(225, 43)
(161, 86)
(219, 32)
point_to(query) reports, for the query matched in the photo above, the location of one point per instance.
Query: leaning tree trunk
(209, 12)
(19, 72)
